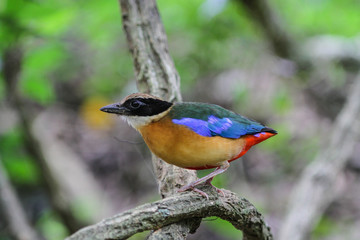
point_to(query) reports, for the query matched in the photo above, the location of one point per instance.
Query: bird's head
(139, 109)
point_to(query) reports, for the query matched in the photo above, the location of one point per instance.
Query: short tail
(269, 130)
(252, 140)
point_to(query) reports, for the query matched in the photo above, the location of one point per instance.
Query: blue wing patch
(197, 125)
(224, 127)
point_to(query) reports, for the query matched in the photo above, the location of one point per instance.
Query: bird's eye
(135, 104)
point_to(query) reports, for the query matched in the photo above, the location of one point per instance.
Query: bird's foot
(217, 189)
(193, 188)
(202, 193)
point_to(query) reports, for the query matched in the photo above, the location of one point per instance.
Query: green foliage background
(82, 43)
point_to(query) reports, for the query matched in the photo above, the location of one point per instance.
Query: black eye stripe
(146, 106)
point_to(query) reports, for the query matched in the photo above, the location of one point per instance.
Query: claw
(186, 187)
(217, 189)
(202, 193)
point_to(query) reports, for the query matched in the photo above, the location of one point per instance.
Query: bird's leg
(208, 178)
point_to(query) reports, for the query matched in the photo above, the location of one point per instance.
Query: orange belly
(180, 146)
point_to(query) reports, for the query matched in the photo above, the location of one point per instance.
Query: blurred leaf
(308, 148)
(38, 66)
(107, 14)
(139, 236)
(45, 17)
(223, 228)
(50, 19)
(281, 144)
(324, 228)
(282, 102)
(22, 170)
(10, 140)
(84, 209)
(318, 17)
(44, 56)
(19, 166)
(38, 89)
(51, 227)
(13, 7)
(241, 94)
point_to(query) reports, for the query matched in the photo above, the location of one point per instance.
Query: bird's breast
(180, 146)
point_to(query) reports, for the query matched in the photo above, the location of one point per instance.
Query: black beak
(115, 108)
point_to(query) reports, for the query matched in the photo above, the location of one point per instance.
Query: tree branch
(15, 215)
(318, 185)
(238, 211)
(156, 74)
(154, 68)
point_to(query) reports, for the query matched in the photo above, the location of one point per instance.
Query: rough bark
(238, 211)
(319, 183)
(15, 215)
(154, 68)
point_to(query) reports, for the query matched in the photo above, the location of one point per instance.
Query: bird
(191, 135)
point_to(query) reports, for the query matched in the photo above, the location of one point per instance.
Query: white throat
(140, 121)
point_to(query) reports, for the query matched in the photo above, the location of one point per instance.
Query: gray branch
(181, 207)
(318, 185)
(156, 74)
(154, 68)
(14, 213)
